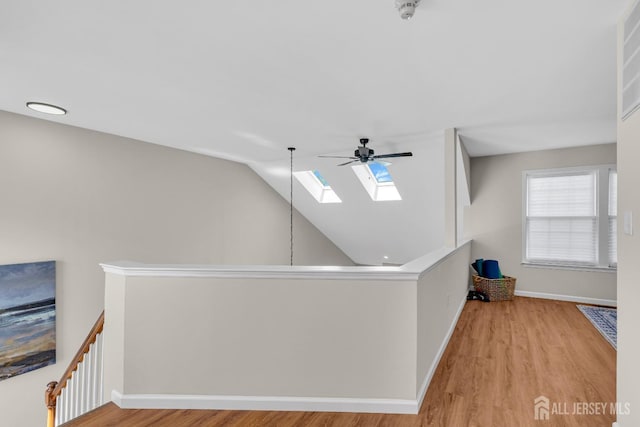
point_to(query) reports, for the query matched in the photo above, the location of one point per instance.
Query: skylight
(376, 179)
(380, 172)
(317, 186)
(323, 181)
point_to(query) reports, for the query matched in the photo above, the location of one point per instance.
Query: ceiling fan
(365, 154)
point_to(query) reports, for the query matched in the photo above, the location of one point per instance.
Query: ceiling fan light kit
(407, 8)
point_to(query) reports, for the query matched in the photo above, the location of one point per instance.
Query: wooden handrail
(54, 388)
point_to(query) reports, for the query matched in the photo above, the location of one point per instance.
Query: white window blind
(561, 218)
(613, 217)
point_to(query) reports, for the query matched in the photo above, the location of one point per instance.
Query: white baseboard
(584, 300)
(264, 403)
(443, 346)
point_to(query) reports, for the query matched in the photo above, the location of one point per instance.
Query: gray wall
(441, 294)
(279, 342)
(628, 384)
(494, 219)
(302, 338)
(81, 197)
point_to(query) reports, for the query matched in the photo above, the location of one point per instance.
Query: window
(317, 186)
(376, 179)
(570, 217)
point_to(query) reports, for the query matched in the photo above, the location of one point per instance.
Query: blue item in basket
(491, 269)
(477, 265)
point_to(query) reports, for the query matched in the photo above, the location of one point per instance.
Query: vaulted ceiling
(244, 80)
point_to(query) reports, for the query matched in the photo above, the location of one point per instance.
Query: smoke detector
(407, 8)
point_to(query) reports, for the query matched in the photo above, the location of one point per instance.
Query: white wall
(628, 384)
(494, 219)
(81, 197)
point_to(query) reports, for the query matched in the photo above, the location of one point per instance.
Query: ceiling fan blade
(338, 157)
(349, 162)
(386, 156)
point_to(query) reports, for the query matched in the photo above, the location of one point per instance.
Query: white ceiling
(243, 80)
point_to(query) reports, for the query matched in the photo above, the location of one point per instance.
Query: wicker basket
(496, 289)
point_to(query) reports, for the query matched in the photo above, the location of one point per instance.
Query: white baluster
(70, 392)
(88, 358)
(60, 408)
(73, 393)
(56, 420)
(96, 378)
(100, 370)
(67, 405)
(87, 385)
(69, 399)
(78, 394)
(78, 376)
(80, 388)
(84, 389)
(89, 374)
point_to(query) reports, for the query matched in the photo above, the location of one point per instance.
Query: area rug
(605, 320)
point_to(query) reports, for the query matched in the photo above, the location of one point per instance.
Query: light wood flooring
(501, 357)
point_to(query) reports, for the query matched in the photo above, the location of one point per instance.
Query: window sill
(570, 267)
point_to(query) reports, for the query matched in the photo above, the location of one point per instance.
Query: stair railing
(80, 387)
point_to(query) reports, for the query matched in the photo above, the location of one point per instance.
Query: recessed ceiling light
(385, 257)
(41, 107)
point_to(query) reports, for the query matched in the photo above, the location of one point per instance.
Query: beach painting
(27, 317)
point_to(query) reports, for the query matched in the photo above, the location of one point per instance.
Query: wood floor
(501, 357)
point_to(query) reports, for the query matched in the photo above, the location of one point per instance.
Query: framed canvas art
(27, 317)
